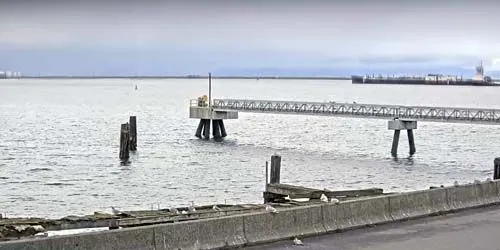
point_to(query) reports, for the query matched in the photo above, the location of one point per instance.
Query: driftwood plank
(312, 193)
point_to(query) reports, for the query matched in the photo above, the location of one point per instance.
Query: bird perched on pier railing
(271, 209)
(297, 242)
(115, 211)
(191, 208)
(174, 210)
(216, 208)
(323, 198)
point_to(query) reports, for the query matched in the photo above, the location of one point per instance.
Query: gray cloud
(322, 28)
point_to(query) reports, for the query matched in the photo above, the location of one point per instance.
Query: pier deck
(356, 110)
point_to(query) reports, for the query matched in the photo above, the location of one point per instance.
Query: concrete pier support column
(411, 141)
(216, 130)
(395, 142)
(206, 128)
(199, 129)
(402, 124)
(222, 128)
(210, 116)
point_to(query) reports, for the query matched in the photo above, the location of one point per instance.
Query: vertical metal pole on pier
(209, 102)
(210, 91)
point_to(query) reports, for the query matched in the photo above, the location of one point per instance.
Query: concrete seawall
(261, 227)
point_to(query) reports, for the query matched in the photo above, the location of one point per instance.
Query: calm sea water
(59, 143)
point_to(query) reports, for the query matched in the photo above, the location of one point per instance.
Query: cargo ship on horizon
(431, 79)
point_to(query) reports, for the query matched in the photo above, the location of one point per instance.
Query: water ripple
(71, 166)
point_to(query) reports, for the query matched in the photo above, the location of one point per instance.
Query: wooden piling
(411, 141)
(275, 169)
(132, 133)
(124, 141)
(267, 173)
(395, 141)
(496, 171)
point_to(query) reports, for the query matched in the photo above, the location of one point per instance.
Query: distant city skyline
(233, 37)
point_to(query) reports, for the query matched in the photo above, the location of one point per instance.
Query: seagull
(297, 242)
(173, 210)
(184, 212)
(335, 200)
(323, 198)
(216, 208)
(115, 211)
(191, 208)
(271, 209)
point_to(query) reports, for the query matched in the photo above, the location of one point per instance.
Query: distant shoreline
(193, 77)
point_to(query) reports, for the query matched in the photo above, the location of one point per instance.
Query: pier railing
(437, 114)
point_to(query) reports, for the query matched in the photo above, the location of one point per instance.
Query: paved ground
(473, 229)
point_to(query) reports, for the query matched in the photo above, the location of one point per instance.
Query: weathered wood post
(132, 133)
(267, 173)
(275, 169)
(274, 178)
(124, 141)
(496, 171)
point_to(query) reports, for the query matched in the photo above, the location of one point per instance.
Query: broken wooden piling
(124, 142)
(275, 169)
(132, 133)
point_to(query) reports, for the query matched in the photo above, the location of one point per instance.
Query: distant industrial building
(9, 74)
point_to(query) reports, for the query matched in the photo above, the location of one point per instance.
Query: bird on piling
(191, 208)
(335, 200)
(271, 209)
(323, 198)
(115, 211)
(297, 242)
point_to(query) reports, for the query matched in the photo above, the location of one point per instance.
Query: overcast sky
(195, 35)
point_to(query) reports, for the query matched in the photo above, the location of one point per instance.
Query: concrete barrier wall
(417, 204)
(129, 238)
(488, 192)
(461, 197)
(356, 213)
(212, 233)
(264, 227)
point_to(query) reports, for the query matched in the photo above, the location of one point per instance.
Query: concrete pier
(209, 117)
(258, 227)
(402, 124)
